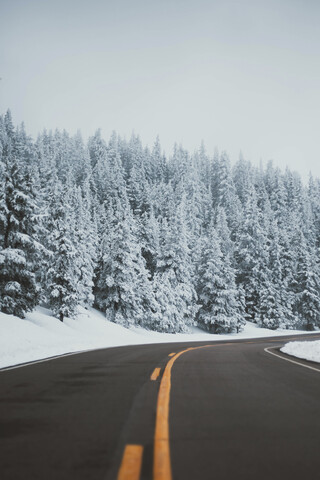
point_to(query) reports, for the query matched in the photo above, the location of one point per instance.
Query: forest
(161, 241)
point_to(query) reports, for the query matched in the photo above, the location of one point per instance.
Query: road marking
(155, 374)
(289, 360)
(79, 352)
(131, 463)
(48, 359)
(162, 462)
(171, 354)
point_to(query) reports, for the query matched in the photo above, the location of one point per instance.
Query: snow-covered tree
(220, 310)
(252, 256)
(19, 247)
(123, 289)
(63, 270)
(152, 238)
(174, 268)
(85, 241)
(307, 303)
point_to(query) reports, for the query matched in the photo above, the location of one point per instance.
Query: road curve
(233, 411)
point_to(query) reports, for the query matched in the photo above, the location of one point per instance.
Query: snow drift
(40, 335)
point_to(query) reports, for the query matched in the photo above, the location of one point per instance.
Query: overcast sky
(240, 75)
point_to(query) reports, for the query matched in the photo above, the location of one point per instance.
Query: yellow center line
(155, 374)
(171, 354)
(162, 462)
(131, 463)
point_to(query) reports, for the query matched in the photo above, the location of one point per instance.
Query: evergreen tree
(19, 292)
(85, 242)
(123, 289)
(147, 235)
(149, 238)
(63, 272)
(252, 257)
(220, 310)
(137, 183)
(307, 303)
(174, 272)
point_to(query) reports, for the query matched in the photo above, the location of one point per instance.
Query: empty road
(220, 411)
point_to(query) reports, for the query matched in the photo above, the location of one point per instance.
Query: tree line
(160, 241)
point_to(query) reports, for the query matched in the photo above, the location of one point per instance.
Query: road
(226, 410)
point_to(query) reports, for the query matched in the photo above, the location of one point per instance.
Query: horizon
(262, 164)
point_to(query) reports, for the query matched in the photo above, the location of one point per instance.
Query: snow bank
(40, 335)
(305, 350)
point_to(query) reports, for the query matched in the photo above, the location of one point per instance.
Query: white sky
(240, 75)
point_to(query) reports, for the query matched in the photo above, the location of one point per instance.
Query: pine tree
(19, 291)
(307, 303)
(63, 271)
(227, 245)
(149, 238)
(85, 241)
(167, 316)
(123, 289)
(243, 178)
(137, 186)
(251, 255)
(144, 232)
(220, 310)
(174, 272)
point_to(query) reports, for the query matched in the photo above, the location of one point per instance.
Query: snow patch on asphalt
(306, 350)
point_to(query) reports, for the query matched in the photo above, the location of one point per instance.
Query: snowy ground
(305, 350)
(40, 335)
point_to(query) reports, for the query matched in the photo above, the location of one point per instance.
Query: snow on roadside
(306, 350)
(40, 335)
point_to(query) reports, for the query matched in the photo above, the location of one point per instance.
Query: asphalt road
(234, 412)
